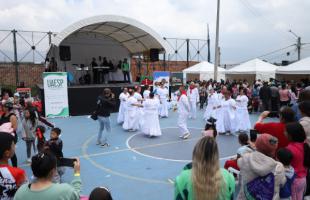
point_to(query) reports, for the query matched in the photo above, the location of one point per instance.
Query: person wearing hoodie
(260, 163)
(304, 108)
(297, 136)
(285, 157)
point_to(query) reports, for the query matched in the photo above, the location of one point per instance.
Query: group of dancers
(142, 112)
(231, 114)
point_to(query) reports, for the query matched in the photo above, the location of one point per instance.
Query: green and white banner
(56, 94)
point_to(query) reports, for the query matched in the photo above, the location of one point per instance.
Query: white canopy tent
(110, 36)
(251, 70)
(295, 71)
(204, 70)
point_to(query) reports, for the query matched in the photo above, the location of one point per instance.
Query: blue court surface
(134, 167)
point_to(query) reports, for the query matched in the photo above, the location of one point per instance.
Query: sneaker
(186, 135)
(28, 160)
(105, 145)
(98, 143)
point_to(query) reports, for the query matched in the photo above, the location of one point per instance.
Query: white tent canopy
(260, 69)
(299, 67)
(205, 71)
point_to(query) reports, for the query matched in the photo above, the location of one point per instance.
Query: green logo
(55, 83)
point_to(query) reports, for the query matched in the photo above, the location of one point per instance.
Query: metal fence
(19, 46)
(24, 46)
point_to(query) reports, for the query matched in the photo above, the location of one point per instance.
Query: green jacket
(125, 67)
(56, 191)
(184, 186)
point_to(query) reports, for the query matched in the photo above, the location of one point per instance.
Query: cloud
(248, 27)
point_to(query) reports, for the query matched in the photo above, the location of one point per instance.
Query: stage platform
(82, 98)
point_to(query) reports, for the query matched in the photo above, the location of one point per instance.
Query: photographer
(105, 104)
(43, 167)
(276, 129)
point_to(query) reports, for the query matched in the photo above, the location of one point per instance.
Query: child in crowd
(30, 122)
(54, 144)
(11, 178)
(210, 128)
(41, 141)
(100, 193)
(243, 139)
(285, 157)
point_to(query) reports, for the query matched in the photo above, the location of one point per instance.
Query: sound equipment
(154, 55)
(64, 53)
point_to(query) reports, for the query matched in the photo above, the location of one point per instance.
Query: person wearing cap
(9, 117)
(261, 163)
(105, 104)
(193, 96)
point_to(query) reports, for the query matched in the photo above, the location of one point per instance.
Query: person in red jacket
(276, 129)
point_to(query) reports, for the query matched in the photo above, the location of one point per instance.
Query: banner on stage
(161, 76)
(56, 94)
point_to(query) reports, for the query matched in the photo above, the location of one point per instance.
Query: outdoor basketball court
(134, 166)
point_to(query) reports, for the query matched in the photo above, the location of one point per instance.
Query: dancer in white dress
(139, 98)
(242, 114)
(226, 115)
(122, 107)
(151, 125)
(132, 117)
(183, 111)
(193, 96)
(146, 92)
(163, 94)
(213, 102)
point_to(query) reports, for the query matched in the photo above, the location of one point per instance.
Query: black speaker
(64, 53)
(154, 55)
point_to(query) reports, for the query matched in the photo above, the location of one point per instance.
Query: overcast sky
(248, 28)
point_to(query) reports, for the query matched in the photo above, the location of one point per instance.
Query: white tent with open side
(203, 71)
(295, 71)
(252, 70)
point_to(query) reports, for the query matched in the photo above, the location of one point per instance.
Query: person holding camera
(44, 166)
(105, 104)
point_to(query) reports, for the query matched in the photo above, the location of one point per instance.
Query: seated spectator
(206, 180)
(43, 166)
(100, 193)
(276, 129)
(210, 128)
(11, 178)
(297, 136)
(304, 108)
(243, 139)
(285, 157)
(253, 137)
(258, 166)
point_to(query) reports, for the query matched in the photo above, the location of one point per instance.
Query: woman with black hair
(296, 136)
(43, 166)
(9, 117)
(226, 114)
(30, 122)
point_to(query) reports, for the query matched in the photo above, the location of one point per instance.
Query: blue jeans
(104, 123)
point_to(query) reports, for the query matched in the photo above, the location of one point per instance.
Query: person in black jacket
(105, 104)
(265, 96)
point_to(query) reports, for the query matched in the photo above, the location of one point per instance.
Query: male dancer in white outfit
(183, 111)
(193, 96)
(163, 94)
